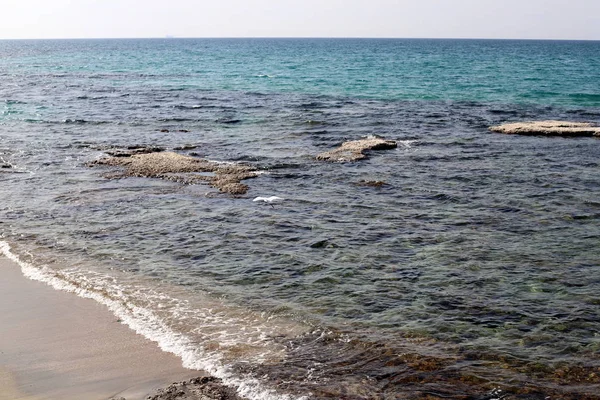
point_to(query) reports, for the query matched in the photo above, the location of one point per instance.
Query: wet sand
(57, 346)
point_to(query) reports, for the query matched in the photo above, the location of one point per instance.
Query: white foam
(220, 162)
(407, 144)
(145, 322)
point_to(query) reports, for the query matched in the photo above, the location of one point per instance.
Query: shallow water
(473, 269)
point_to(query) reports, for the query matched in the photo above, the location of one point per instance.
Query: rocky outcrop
(354, 150)
(175, 167)
(203, 388)
(549, 128)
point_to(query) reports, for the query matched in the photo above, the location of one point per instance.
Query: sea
(464, 264)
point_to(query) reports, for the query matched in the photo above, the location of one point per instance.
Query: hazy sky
(542, 19)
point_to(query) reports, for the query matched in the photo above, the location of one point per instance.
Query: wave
(407, 144)
(228, 121)
(68, 121)
(585, 96)
(192, 107)
(145, 322)
(10, 102)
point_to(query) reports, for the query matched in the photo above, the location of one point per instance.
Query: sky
(499, 19)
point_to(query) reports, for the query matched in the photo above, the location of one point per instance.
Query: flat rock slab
(354, 150)
(549, 128)
(175, 167)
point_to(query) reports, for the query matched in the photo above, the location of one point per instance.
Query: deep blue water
(475, 267)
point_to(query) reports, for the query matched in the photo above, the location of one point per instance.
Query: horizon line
(170, 37)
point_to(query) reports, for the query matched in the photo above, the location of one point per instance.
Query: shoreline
(55, 345)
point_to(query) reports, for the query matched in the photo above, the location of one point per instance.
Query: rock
(354, 150)
(324, 244)
(549, 128)
(203, 388)
(184, 169)
(164, 130)
(371, 183)
(231, 187)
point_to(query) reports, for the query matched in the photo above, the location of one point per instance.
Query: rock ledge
(203, 388)
(175, 167)
(549, 128)
(354, 150)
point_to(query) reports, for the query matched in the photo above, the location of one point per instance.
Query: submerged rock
(354, 150)
(203, 388)
(549, 128)
(184, 169)
(324, 244)
(377, 184)
(133, 150)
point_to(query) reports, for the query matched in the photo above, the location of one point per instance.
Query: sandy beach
(57, 346)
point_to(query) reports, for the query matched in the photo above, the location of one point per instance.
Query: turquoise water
(473, 269)
(538, 72)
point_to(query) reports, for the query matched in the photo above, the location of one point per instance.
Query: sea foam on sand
(59, 346)
(143, 322)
